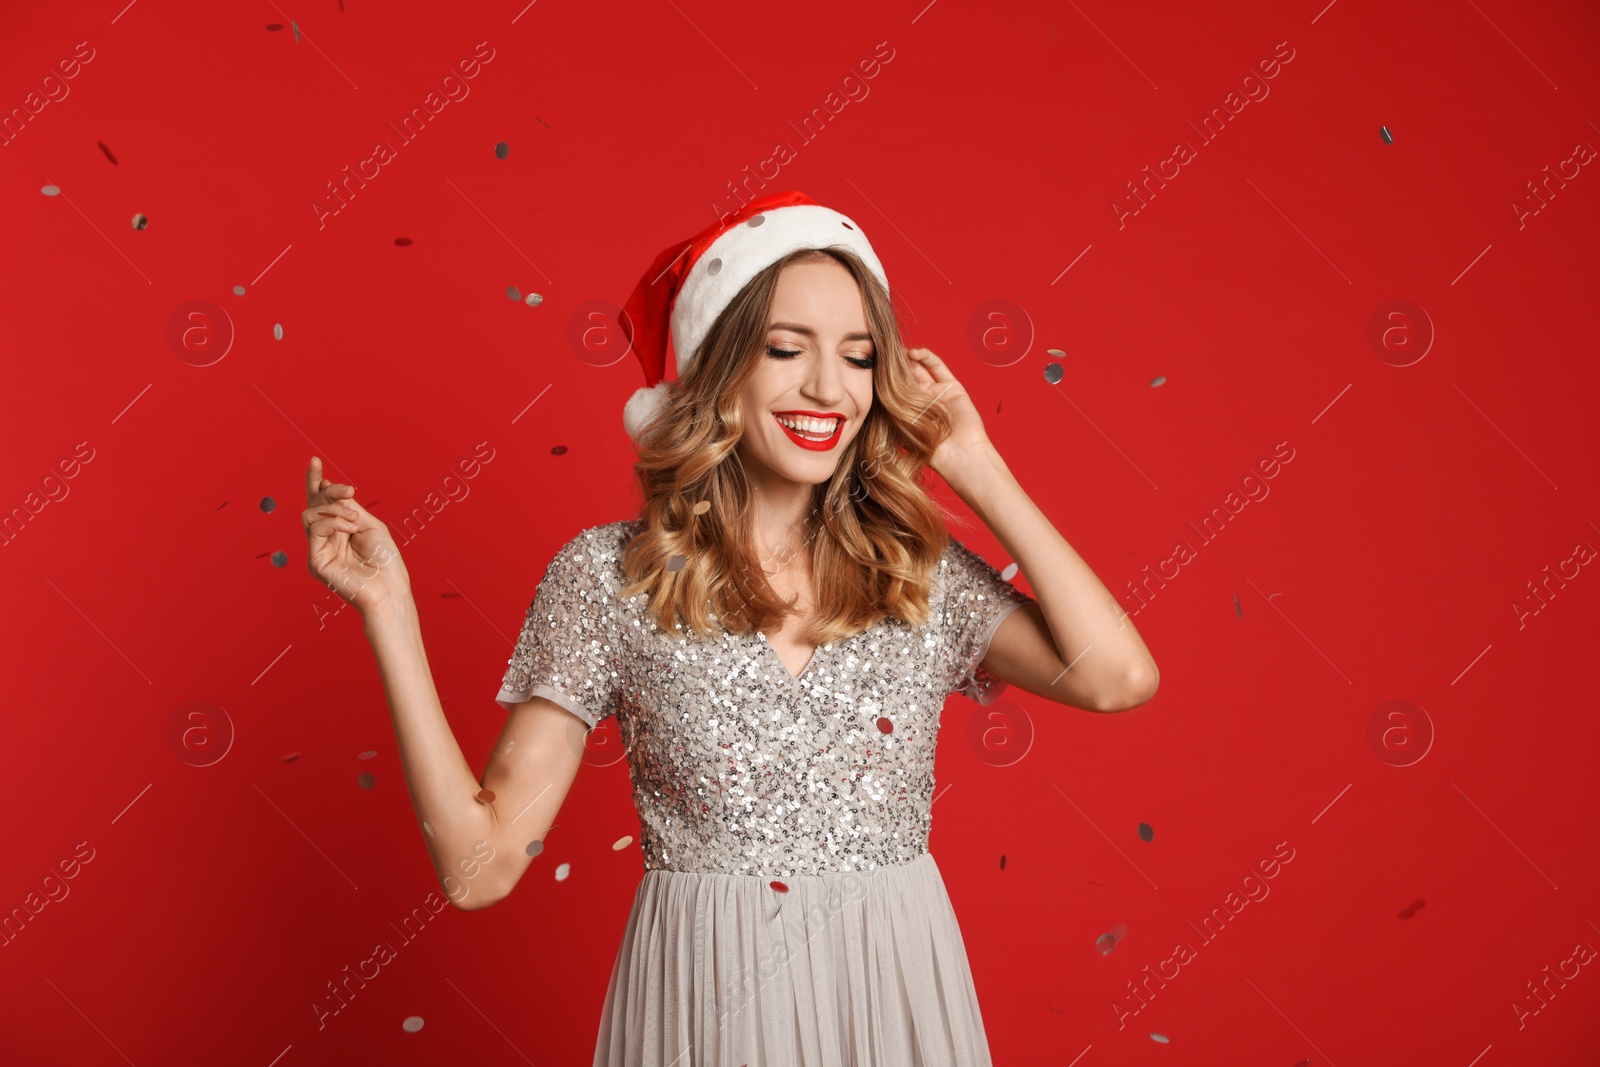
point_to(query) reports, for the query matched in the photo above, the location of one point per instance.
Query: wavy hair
(874, 534)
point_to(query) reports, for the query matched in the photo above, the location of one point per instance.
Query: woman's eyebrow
(809, 332)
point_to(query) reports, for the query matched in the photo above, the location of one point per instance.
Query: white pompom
(642, 406)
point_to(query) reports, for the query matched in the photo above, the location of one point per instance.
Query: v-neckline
(767, 644)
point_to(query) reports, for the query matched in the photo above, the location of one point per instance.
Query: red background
(221, 899)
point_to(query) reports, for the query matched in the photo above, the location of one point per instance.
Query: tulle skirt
(846, 969)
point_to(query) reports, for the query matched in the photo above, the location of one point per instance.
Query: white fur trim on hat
(643, 406)
(744, 251)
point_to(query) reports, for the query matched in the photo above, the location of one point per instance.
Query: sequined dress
(744, 776)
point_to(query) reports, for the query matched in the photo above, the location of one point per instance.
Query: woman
(777, 633)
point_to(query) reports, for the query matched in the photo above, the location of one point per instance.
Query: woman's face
(816, 359)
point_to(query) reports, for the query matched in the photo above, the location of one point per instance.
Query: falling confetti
(368, 754)
(562, 872)
(1160, 1038)
(1052, 373)
(140, 222)
(50, 190)
(413, 1023)
(1238, 607)
(291, 757)
(534, 848)
(367, 781)
(274, 26)
(107, 151)
(1146, 831)
(1388, 138)
(533, 300)
(779, 886)
(403, 242)
(1002, 861)
(513, 292)
(277, 331)
(1158, 381)
(1056, 353)
(486, 796)
(427, 828)
(702, 507)
(1010, 572)
(621, 843)
(296, 27)
(238, 290)
(1105, 943)
(885, 726)
(675, 562)
(268, 504)
(502, 150)
(559, 450)
(280, 558)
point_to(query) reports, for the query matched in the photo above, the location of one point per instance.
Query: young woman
(776, 633)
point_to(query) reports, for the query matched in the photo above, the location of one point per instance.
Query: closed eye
(789, 353)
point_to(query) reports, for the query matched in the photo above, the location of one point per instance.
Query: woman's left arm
(1076, 646)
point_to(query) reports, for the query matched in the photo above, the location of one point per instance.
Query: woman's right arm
(477, 833)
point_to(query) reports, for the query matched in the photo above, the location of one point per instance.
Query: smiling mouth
(809, 433)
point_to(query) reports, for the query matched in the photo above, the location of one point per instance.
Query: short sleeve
(976, 600)
(568, 650)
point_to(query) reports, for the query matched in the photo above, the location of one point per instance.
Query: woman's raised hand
(351, 550)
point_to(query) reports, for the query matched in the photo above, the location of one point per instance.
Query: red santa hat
(686, 288)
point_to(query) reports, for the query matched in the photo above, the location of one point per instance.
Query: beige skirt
(852, 968)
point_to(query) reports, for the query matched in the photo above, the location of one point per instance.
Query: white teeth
(819, 429)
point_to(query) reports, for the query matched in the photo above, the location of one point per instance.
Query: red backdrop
(1349, 246)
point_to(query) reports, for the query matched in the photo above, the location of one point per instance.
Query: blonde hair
(875, 535)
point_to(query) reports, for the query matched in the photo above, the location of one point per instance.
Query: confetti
(486, 796)
(779, 886)
(268, 504)
(238, 290)
(513, 293)
(403, 242)
(534, 848)
(413, 1023)
(1105, 943)
(280, 558)
(502, 150)
(50, 190)
(274, 26)
(296, 27)
(884, 725)
(1052, 373)
(427, 828)
(367, 781)
(1056, 353)
(291, 757)
(1388, 138)
(1010, 571)
(675, 562)
(622, 843)
(368, 754)
(1146, 831)
(1158, 381)
(140, 222)
(562, 872)
(559, 450)
(1002, 861)
(533, 300)
(702, 507)
(1160, 1038)
(1238, 607)
(277, 331)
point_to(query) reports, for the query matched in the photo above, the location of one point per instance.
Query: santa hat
(686, 288)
